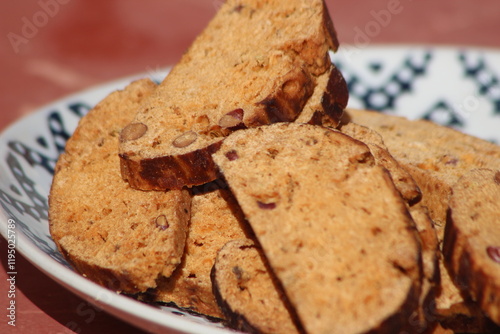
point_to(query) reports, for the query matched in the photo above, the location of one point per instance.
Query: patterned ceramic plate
(455, 87)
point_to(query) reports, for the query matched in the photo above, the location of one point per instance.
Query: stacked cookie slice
(239, 189)
(441, 160)
(256, 63)
(118, 237)
(348, 261)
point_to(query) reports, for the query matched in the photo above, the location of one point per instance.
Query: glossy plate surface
(450, 86)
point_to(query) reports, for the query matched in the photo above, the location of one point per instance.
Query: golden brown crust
(215, 220)
(472, 238)
(435, 156)
(170, 172)
(328, 102)
(403, 180)
(98, 222)
(336, 96)
(425, 318)
(268, 71)
(333, 41)
(246, 291)
(286, 102)
(326, 105)
(304, 190)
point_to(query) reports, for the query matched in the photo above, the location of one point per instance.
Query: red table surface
(51, 48)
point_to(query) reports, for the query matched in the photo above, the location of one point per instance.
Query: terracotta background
(76, 44)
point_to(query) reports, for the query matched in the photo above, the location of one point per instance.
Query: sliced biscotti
(121, 238)
(435, 156)
(256, 63)
(472, 238)
(215, 220)
(348, 260)
(247, 293)
(403, 181)
(441, 301)
(454, 308)
(328, 101)
(457, 312)
(314, 113)
(425, 318)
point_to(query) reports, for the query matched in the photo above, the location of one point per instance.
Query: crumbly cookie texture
(403, 180)
(331, 223)
(257, 62)
(425, 316)
(247, 292)
(119, 237)
(215, 220)
(472, 238)
(436, 157)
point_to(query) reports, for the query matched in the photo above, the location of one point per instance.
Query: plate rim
(105, 299)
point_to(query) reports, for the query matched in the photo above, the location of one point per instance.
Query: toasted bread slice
(349, 261)
(256, 63)
(119, 237)
(247, 293)
(472, 238)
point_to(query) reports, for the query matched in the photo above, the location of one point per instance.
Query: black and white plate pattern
(457, 87)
